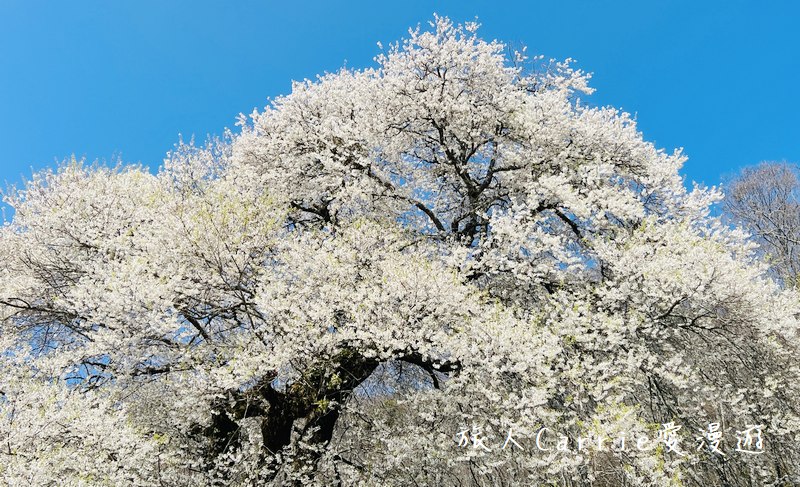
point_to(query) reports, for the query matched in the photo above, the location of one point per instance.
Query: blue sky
(122, 79)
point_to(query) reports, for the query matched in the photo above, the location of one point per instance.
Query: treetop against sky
(103, 80)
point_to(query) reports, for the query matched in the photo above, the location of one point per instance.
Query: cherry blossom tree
(449, 242)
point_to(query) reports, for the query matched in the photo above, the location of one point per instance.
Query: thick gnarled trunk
(307, 410)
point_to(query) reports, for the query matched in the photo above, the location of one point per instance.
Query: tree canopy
(765, 200)
(450, 241)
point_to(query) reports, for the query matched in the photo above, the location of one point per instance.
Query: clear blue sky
(102, 79)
